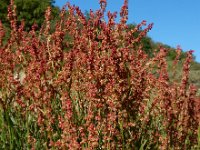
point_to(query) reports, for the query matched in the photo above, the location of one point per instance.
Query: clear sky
(176, 22)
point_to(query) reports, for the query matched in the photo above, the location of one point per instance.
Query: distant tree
(87, 14)
(3, 11)
(32, 11)
(147, 42)
(148, 45)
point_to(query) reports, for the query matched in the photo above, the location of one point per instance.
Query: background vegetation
(32, 11)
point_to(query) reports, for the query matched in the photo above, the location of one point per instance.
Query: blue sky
(176, 22)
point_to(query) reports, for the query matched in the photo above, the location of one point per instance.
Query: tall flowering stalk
(2, 33)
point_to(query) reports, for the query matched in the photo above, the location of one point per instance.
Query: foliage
(3, 10)
(32, 11)
(99, 90)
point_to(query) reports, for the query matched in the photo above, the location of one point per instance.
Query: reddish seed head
(103, 4)
(102, 1)
(191, 51)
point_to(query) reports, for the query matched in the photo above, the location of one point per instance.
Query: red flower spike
(103, 4)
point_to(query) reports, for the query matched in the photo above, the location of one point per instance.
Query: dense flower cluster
(88, 84)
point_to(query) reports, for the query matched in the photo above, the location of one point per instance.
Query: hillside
(149, 46)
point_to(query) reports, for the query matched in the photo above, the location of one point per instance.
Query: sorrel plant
(88, 84)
